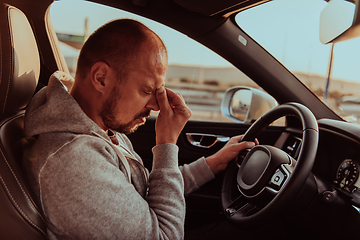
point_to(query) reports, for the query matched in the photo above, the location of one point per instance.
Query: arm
(203, 170)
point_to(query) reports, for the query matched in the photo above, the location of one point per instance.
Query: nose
(152, 103)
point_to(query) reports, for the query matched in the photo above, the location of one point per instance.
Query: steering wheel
(263, 180)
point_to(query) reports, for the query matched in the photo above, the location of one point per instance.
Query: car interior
(311, 202)
(20, 70)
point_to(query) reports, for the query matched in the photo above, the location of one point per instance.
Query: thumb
(162, 99)
(246, 144)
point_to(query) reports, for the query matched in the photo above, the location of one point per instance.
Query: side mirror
(245, 104)
(339, 21)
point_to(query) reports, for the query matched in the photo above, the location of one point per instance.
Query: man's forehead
(147, 79)
(154, 59)
(150, 67)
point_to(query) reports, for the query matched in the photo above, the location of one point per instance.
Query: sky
(291, 35)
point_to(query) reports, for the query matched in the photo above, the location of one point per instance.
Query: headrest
(20, 62)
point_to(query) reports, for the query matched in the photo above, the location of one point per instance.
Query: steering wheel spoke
(240, 207)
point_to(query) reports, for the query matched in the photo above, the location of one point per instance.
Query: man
(87, 178)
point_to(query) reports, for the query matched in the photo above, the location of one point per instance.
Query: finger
(182, 98)
(161, 97)
(237, 138)
(175, 98)
(244, 145)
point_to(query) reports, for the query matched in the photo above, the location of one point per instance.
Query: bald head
(119, 44)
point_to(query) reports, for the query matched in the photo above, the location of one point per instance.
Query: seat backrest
(19, 74)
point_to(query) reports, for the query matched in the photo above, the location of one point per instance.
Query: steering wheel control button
(329, 197)
(278, 180)
(231, 211)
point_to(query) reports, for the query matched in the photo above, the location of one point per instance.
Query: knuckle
(188, 112)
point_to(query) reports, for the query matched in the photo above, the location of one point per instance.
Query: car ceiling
(182, 14)
(171, 14)
(215, 7)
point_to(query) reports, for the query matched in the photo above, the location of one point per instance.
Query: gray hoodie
(83, 182)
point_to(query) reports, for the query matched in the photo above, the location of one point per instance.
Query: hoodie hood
(53, 109)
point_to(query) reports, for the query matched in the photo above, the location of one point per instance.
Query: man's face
(131, 101)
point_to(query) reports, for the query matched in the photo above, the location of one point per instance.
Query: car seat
(20, 218)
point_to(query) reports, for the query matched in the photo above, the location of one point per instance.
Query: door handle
(204, 140)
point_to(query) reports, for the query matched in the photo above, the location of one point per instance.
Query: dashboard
(332, 195)
(338, 157)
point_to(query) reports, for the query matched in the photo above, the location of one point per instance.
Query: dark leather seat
(20, 218)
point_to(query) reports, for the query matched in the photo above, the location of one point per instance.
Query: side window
(197, 73)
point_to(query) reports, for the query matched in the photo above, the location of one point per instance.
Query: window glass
(289, 30)
(196, 72)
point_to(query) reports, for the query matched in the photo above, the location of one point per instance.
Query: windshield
(289, 30)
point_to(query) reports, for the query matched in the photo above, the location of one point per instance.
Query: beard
(108, 115)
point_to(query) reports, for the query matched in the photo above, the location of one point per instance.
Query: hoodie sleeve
(85, 196)
(195, 175)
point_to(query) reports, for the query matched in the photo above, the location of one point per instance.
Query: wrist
(215, 165)
(160, 140)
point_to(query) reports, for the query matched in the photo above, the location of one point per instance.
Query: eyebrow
(152, 88)
(149, 88)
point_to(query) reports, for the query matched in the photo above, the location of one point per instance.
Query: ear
(100, 73)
